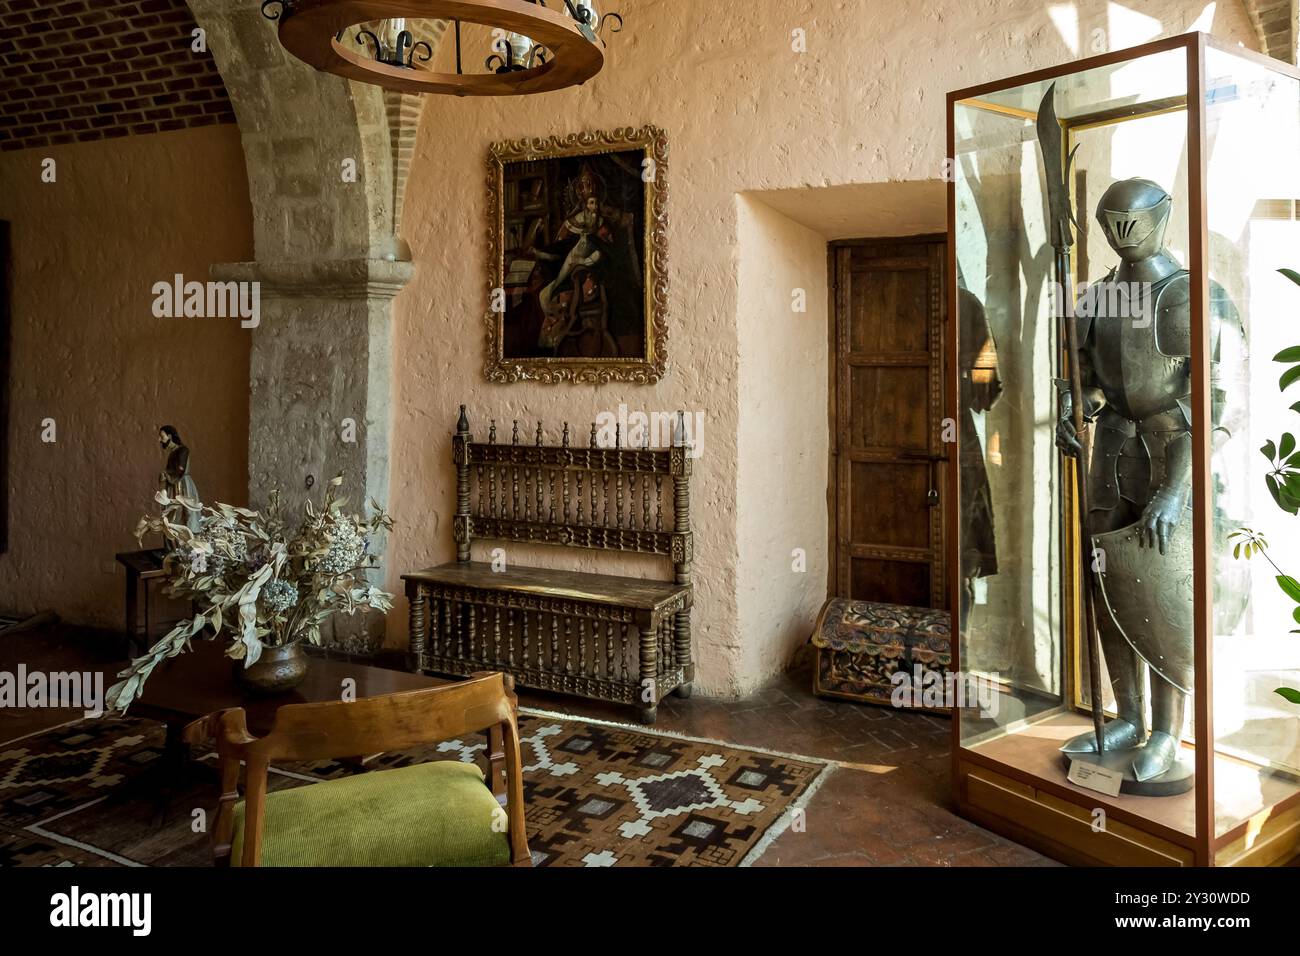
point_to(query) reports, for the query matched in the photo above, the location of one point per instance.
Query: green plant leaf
(1290, 586)
(1291, 274)
(1271, 484)
(1290, 693)
(1268, 449)
(1287, 445)
(1291, 354)
(1289, 377)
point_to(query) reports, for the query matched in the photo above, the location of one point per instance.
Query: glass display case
(1123, 332)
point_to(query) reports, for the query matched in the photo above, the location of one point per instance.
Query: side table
(142, 567)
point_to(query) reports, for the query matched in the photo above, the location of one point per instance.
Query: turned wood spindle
(472, 631)
(492, 472)
(609, 650)
(463, 447)
(510, 637)
(435, 604)
(550, 505)
(682, 568)
(577, 478)
(618, 476)
(538, 487)
(524, 640)
(659, 502)
(458, 629)
(582, 646)
(649, 666)
(419, 625)
(568, 645)
(631, 492)
(623, 653)
(514, 474)
(565, 479)
(645, 482)
(604, 485)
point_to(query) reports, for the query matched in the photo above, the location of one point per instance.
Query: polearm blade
(1057, 167)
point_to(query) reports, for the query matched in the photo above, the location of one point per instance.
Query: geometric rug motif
(596, 794)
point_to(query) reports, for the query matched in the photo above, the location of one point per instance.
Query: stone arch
(298, 126)
(328, 264)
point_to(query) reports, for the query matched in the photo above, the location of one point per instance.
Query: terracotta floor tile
(901, 816)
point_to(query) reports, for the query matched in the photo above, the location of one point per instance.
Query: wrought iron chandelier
(536, 46)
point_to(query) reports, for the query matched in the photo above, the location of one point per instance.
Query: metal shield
(1149, 597)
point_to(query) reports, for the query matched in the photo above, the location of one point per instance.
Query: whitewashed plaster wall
(781, 514)
(88, 353)
(743, 111)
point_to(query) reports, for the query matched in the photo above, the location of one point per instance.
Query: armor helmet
(1133, 214)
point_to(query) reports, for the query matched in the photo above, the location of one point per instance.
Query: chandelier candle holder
(537, 45)
(403, 48)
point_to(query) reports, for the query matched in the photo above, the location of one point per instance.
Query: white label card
(1096, 778)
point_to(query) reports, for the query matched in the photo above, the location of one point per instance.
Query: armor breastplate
(1141, 345)
(1139, 349)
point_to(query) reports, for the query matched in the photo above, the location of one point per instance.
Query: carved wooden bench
(620, 639)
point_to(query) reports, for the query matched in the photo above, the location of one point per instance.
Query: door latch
(932, 495)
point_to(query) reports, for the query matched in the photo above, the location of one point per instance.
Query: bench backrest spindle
(558, 477)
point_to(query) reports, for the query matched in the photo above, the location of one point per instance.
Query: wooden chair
(437, 813)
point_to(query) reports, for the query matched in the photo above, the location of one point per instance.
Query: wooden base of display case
(1014, 784)
(1057, 825)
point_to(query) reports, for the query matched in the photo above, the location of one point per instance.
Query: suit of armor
(1135, 335)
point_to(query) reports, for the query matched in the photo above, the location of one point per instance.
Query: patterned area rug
(597, 794)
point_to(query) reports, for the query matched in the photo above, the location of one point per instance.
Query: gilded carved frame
(639, 371)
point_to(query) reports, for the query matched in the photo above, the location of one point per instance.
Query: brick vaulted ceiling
(1275, 23)
(75, 70)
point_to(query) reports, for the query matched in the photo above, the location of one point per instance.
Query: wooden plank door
(887, 451)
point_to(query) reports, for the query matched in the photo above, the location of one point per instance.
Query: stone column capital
(371, 279)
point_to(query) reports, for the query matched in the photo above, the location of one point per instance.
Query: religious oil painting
(578, 274)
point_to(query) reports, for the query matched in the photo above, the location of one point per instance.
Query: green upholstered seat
(429, 814)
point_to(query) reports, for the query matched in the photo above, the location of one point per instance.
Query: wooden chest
(861, 646)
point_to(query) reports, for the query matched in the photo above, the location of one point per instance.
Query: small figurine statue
(175, 478)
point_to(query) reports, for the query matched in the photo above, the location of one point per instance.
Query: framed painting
(577, 271)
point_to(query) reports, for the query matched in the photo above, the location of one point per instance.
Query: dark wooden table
(142, 568)
(202, 681)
